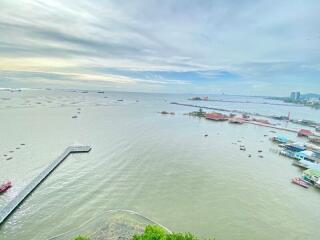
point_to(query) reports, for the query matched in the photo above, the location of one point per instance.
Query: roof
(306, 153)
(310, 165)
(305, 132)
(295, 147)
(312, 172)
(282, 138)
(216, 116)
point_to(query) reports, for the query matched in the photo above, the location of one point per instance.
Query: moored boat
(5, 186)
(300, 182)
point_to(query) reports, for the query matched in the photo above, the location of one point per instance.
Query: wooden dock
(14, 203)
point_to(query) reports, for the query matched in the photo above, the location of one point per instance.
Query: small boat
(74, 116)
(5, 186)
(300, 182)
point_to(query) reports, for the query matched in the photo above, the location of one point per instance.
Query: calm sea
(161, 166)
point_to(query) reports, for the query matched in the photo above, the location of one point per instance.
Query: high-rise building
(295, 95)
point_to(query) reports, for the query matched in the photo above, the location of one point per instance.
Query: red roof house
(304, 133)
(216, 116)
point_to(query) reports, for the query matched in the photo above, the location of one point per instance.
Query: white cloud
(245, 38)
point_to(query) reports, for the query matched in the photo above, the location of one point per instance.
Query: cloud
(173, 44)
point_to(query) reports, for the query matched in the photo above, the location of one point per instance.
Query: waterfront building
(311, 175)
(304, 133)
(216, 116)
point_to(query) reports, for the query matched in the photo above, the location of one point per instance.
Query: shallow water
(160, 166)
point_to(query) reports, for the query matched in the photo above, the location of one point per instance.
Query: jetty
(273, 126)
(14, 203)
(247, 113)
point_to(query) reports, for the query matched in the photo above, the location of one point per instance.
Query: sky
(249, 47)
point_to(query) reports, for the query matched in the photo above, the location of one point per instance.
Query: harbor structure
(15, 202)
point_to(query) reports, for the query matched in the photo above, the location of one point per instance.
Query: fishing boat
(242, 148)
(300, 182)
(5, 186)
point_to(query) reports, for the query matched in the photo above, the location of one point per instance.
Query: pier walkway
(272, 126)
(6, 211)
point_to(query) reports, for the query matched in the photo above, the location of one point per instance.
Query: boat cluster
(78, 113)
(8, 155)
(306, 156)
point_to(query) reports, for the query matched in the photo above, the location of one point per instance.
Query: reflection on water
(160, 166)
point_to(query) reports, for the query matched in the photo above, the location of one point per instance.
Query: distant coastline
(308, 100)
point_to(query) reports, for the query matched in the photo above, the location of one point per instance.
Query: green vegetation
(157, 233)
(81, 238)
(199, 113)
(153, 232)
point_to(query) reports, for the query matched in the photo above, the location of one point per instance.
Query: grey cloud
(245, 38)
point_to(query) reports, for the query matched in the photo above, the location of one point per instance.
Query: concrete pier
(272, 126)
(14, 203)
